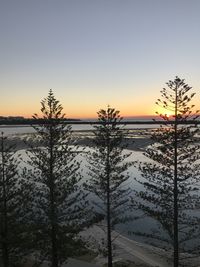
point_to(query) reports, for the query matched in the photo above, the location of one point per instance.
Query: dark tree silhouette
(108, 174)
(14, 199)
(59, 203)
(171, 177)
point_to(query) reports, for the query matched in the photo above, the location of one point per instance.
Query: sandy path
(128, 249)
(145, 254)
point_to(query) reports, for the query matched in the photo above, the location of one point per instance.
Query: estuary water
(23, 129)
(142, 225)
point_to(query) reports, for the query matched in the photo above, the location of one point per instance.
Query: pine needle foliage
(14, 199)
(108, 174)
(59, 204)
(171, 175)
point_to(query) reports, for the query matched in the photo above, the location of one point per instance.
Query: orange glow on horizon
(165, 112)
(89, 116)
(84, 112)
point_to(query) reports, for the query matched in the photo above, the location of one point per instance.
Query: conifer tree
(59, 203)
(171, 176)
(14, 199)
(107, 174)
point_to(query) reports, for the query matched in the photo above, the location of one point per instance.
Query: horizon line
(84, 117)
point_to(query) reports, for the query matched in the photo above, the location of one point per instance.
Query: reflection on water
(23, 129)
(145, 224)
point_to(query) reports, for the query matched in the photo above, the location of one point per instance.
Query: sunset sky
(96, 52)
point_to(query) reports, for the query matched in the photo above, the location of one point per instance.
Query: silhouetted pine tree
(108, 174)
(171, 176)
(14, 199)
(59, 203)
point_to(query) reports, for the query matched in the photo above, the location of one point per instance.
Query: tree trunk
(54, 255)
(109, 241)
(176, 244)
(54, 262)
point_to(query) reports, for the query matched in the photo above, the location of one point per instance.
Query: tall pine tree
(171, 177)
(59, 204)
(107, 174)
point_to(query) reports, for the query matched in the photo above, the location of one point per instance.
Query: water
(144, 225)
(128, 228)
(23, 129)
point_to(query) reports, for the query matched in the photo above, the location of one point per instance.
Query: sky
(94, 53)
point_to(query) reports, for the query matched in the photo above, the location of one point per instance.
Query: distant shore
(157, 121)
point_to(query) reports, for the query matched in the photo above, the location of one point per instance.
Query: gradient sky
(96, 52)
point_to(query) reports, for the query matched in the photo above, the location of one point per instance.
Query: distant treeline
(78, 121)
(31, 121)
